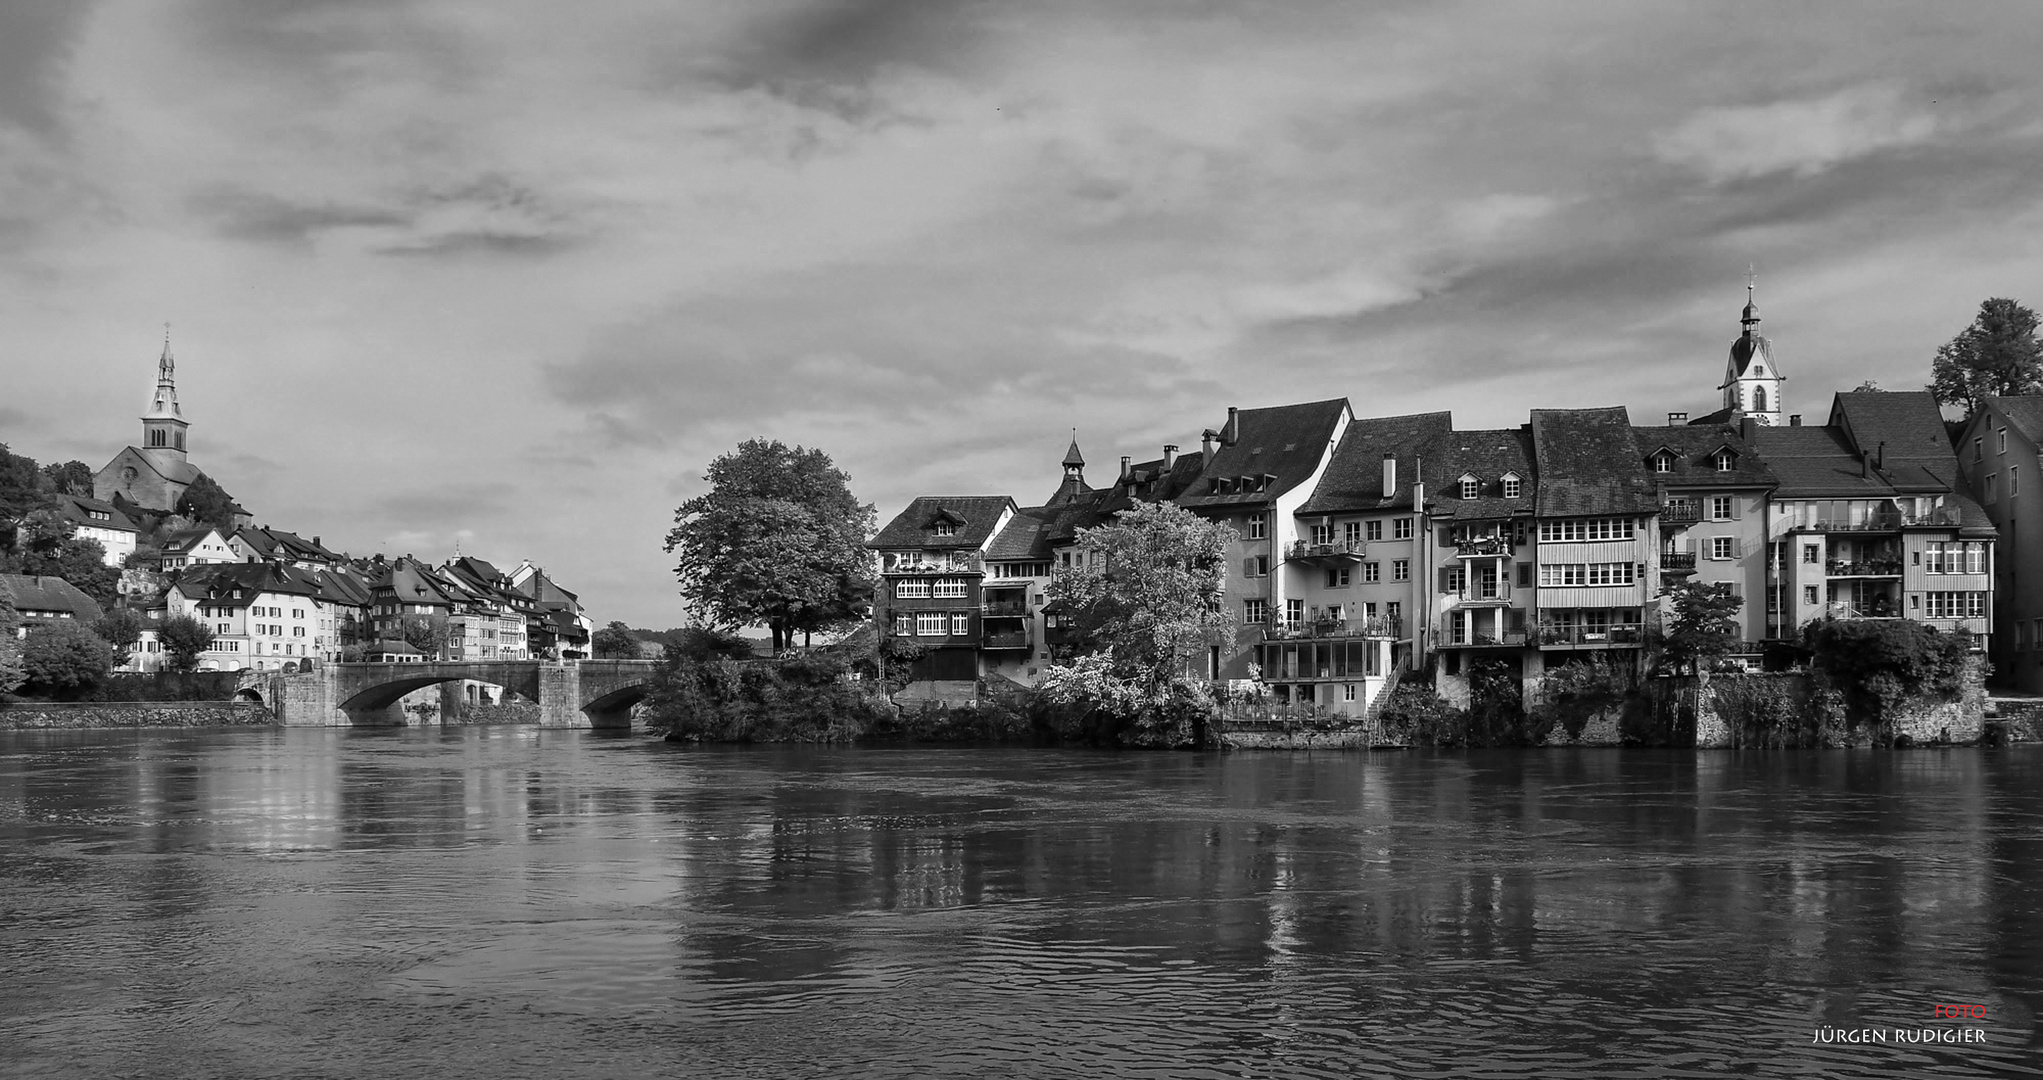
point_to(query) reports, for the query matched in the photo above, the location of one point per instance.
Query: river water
(506, 902)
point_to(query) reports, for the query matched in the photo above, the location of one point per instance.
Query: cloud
(1804, 137)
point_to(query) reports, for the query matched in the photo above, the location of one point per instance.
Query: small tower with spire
(1074, 475)
(164, 425)
(1752, 381)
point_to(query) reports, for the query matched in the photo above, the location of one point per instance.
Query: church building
(155, 474)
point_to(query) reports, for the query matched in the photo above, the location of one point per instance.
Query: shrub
(1879, 663)
(1570, 694)
(1415, 714)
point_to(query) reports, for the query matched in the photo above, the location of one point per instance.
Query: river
(508, 902)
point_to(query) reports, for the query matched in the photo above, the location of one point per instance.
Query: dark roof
(1354, 478)
(216, 582)
(169, 468)
(79, 509)
(341, 585)
(1026, 538)
(1910, 425)
(1486, 455)
(2024, 411)
(30, 593)
(1725, 415)
(1588, 463)
(1072, 456)
(1274, 450)
(975, 516)
(1817, 463)
(276, 543)
(1694, 452)
(185, 539)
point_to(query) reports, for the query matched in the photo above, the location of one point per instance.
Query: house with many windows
(1711, 486)
(2001, 446)
(932, 572)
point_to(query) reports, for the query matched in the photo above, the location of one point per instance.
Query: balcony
(1004, 639)
(1868, 568)
(1339, 551)
(1680, 513)
(1677, 562)
(1483, 547)
(1611, 635)
(1005, 608)
(1884, 521)
(1334, 628)
(1481, 596)
(1507, 639)
(959, 563)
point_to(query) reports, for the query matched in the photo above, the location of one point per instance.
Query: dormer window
(1726, 461)
(1469, 486)
(1512, 488)
(944, 528)
(1663, 462)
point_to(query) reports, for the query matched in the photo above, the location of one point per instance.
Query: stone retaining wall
(27, 715)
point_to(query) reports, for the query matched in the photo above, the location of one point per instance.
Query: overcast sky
(512, 274)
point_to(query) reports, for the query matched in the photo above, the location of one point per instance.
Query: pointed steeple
(163, 426)
(1074, 474)
(1752, 382)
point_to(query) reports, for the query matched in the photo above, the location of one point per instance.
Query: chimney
(1231, 434)
(1389, 475)
(1795, 420)
(1126, 472)
(1170, 456)
(1748, 428)
(1880, 462)
(1206, 443)
(1676, 419)
(1865, 464)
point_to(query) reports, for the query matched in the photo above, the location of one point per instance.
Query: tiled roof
(1354, 478)
(1818, 463)
(1025, 538)
(1693, 455)
(169, 468)
(1588, 463)
(185, 539)
(30, 593)
(1486, 455)
(216, 582)
(1904, 426)
(2024, 411)
(974, 515)
(79, 509)
(1284, 444)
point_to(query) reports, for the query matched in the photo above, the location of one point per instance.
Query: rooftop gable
(1353, 480)
(1589, 463)
(1273, 450)
(975, 518)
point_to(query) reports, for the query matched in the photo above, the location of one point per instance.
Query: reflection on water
(511, 902)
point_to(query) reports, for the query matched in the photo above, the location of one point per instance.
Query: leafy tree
(1998, 354)
(1871, 386)
(184, 638)
(21, 485)
(70, 478)
(63, 655)
(12, 673)
(47, 544)
(428, 634)
(121, 629)
(615, 642)
(1704, 626)
(206, 502)
(1148, 597)
(777, 540)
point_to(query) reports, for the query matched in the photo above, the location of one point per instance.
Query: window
(1372, 573)
(1257, 526)
(1812, 553)
(1453, 579)
(961, 623)
(2014, 480)
(1373, 529)
(944, 528)
(1351, 532)
(2003, 440)
(1511, 487)
(929, 624)
(1992, 486)
(1394, 610)
(1955, 605)
(1401, 569)
(1723, 547)
(1663, 463)
(1469, 487)
(1809, 594)
(952, 588)
(1347, 691)
(1337, 579)
(1726, 461)
(1294, 612)
(1322, 534)
(1255, 611)
(1524, 575)
(1979, 449)
(911, 590)
(1585, 529)
(1262, 565)
(1721, 508)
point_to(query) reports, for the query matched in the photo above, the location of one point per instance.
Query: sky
(509, 275)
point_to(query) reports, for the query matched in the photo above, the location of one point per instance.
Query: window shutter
(1736, 510)
(1248, 567)
(1737, 547)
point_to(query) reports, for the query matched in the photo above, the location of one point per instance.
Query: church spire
(1752, 382)
(163, 426)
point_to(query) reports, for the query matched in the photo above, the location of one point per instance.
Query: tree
(1148, 596)
(184, 638)
(12, 673)
(121, 629)
(614, 642)
(1998, 354)
(70, 478)
(63, 655)
(428, 634)
(207, 503)
(778, 540)
(21, 485)
(47, 544)
(1704, 626)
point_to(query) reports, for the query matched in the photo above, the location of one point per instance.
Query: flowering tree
(1148, 596)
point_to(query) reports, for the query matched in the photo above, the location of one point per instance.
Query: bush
(63, 658)
(1416, 715)
(1569, 695)
(1879, 663)
(806, 699)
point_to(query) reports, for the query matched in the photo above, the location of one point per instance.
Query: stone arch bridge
(570, 693)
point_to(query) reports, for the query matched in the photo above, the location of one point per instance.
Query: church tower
(1752, 381)
(163, 426)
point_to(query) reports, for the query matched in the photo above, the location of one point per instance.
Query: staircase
(1372, 717)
